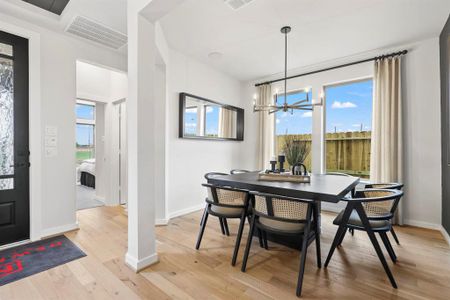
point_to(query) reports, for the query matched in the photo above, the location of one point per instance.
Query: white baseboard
(422, 224)
(186, 211)
(15, 244)
(445, 234)
(161, 222)
(137, 265)
(59, 230)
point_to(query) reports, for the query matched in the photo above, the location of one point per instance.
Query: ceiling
(112, 13)
(53, 6)
(252, 46)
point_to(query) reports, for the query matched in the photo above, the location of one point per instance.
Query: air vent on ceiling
(236, 4)
(96, 32)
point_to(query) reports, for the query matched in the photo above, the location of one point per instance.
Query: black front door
(14, 145)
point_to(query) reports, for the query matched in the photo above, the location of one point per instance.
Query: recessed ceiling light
(215, 55)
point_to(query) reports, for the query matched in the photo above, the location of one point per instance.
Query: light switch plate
(51, 130)
(51, 141)
(51, 151)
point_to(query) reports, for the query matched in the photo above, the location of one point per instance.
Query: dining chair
(370, 210)
(238, 171)
(222, 221)
(388, 186)
(280, 215)
(225, 202)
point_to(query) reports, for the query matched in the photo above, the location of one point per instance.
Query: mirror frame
(239, 120)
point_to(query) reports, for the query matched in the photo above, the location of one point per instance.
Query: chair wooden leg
(222, 227)
(238, 239)
(225, 226)
(303, 257)
(202, 228)
(319, 256)
(341, 239)
(249, 244)
(266, 245)
(388, 246)
(342, 227)
(394, 235)
(203, 217)
(373, 239)
(261, 238)
(352, 231)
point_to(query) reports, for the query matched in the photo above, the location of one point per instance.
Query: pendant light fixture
(303, 104)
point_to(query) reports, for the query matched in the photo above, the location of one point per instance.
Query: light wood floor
(423, 270)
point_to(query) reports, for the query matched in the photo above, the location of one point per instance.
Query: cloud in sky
(209, 109)
(190, 125)
(307, 114)
(278, 121)
(356, 125)
(191, 110)
(347, 104)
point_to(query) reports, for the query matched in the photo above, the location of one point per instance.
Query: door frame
(35, 126)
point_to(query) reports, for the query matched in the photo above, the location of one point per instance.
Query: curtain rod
(336, 67)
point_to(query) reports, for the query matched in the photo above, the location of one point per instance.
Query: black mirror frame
(239, 120)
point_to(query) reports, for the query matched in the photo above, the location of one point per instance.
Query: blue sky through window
(190, 119)
(349, 107)
(85, 135)
(296, 122)
(212, 120)
(86, 112)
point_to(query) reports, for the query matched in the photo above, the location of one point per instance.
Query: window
(85, 131)
(212, 120)
(349, 127)
(297, 123)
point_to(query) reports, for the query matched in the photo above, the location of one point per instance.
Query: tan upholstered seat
(226, 210)
(282, 226)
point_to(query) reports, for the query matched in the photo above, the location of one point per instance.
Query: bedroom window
(85, 131)
(296, 125)
(349, 127)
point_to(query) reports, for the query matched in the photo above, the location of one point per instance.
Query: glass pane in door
(6, 117)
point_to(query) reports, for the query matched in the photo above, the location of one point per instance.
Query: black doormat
(26, 260)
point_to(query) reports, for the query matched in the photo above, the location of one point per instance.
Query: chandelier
(303, 104)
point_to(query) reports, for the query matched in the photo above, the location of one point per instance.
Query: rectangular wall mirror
(202, 118)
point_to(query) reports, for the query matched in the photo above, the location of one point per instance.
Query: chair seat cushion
(281, 226)
(226, 211)
(355, 221)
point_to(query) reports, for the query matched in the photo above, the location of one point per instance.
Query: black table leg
(362, 215)
(341, 229)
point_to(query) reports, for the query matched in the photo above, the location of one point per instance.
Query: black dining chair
(388, 186)
(225, 202)
(238, 171)
(222, 221)
(370, 210)
(281, 215)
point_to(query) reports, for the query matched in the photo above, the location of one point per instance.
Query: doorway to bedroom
(100, 126)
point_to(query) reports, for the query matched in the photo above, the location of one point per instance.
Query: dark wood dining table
(323, 187)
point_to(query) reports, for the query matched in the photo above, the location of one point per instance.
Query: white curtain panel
(266, 127)
(386, 161)
(227, 121)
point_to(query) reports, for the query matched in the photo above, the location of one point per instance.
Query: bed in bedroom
(86, 173)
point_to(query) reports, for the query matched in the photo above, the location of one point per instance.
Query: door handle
(20, 165)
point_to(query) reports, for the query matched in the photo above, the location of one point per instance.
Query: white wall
(189, 160)
(58, 55)
(422, 200)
